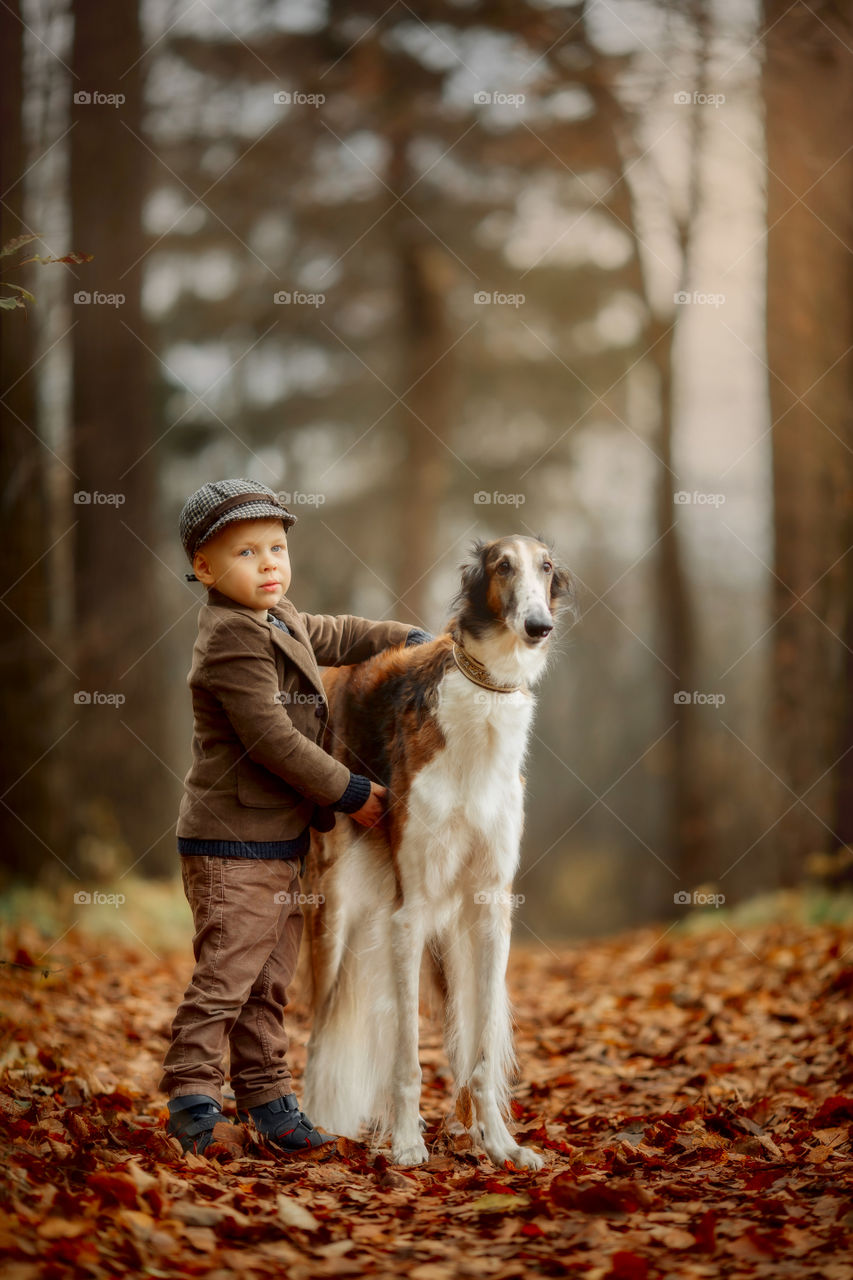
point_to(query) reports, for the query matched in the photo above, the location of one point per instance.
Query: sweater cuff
(356, 794)
(416, 636)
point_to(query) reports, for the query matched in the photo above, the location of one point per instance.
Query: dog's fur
(437, 873)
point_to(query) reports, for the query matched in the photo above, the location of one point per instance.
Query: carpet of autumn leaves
(693, 1096)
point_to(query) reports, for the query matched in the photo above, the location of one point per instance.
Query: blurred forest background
(441, 270)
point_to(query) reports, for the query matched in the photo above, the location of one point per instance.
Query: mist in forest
(437, 273)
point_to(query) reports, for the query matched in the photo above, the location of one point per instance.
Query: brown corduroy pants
(248, 925)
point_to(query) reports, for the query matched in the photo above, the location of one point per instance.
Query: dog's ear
(474, 569)
(564, 593)
(468, 600)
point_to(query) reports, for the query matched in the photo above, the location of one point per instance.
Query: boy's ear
(201, 569)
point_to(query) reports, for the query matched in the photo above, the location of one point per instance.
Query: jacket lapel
(297, 646)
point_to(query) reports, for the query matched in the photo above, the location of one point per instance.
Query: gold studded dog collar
(478, 674)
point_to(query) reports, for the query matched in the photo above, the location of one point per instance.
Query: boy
(259, 780)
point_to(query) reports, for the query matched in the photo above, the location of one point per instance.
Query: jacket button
(318, 710)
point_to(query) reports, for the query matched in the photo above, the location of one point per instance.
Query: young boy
(259, 780)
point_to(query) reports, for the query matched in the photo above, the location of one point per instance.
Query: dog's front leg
(407, 944)
(493, 1032)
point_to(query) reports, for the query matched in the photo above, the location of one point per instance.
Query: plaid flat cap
(221, 502)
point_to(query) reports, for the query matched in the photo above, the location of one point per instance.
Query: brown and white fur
(437, 873)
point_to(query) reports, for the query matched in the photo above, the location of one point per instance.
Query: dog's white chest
(482, 729)
(469, 794)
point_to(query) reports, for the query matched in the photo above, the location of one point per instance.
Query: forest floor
(692, 1093)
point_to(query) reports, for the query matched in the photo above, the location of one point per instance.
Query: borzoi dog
(444, 725)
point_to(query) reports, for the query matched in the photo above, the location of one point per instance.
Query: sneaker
(287, 1127)
(191, 1120)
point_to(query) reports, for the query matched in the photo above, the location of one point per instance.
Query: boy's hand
(373, 809)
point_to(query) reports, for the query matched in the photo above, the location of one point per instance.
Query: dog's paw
(415, 1153)
(521, 1157)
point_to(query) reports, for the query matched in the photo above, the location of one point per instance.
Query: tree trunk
(424, 413)
(808, 74)
(126, 792)
(689, 823)
(687, 829)
(31, 834)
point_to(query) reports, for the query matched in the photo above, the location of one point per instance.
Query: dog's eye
(503, 566)
(547, 566)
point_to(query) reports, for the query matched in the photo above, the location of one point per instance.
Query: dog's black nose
(538, 629)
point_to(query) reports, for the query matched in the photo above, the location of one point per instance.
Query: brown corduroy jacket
(258, 772)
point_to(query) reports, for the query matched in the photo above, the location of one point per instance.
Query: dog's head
(514, 584)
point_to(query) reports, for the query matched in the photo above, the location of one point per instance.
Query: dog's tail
(347, 1082)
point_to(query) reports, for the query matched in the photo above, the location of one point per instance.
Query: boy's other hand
(373, 809)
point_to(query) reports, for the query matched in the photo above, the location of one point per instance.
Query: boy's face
(248, 562)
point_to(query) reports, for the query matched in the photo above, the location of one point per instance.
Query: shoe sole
(324, 1151)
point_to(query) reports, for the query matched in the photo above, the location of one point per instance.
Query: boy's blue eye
(247, 551)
